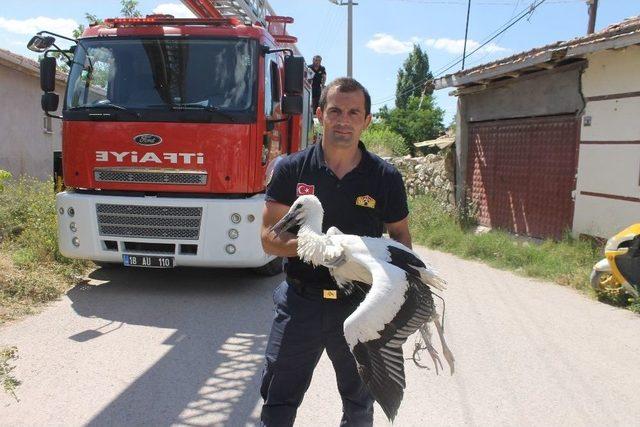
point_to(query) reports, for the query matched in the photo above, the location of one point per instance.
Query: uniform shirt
(316, 84)
(360, 203)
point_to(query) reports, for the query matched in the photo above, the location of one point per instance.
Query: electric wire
(527, 11)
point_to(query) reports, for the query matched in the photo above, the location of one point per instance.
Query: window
(163, 73)
(271, 84)
(46, 125)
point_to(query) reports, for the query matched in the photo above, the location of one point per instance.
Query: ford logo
(147, 139)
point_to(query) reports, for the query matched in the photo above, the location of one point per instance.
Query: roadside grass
(567, 262)
(9, 382)
(32, 270)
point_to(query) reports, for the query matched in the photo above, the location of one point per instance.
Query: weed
(9, 382)
(32, 270)
(568, 261)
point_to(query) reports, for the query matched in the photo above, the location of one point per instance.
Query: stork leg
(426, 336)
(446, 351)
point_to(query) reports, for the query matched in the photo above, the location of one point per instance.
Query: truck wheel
(272, 268)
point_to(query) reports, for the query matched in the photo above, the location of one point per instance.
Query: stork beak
(287, 222)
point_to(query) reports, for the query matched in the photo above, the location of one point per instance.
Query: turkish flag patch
(303, 189)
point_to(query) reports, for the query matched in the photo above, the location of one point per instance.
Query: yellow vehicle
(621, 266)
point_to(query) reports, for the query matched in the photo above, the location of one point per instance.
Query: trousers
(303, 327)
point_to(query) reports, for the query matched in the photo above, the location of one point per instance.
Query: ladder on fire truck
(247, 11)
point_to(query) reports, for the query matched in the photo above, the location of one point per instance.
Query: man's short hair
(346, 85)
(317, 57)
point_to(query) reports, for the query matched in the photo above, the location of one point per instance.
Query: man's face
(343, 118)
(316, 62)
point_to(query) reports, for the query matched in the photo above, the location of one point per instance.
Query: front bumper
(154, 226)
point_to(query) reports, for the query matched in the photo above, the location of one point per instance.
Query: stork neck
(311, 241)
(313, 224)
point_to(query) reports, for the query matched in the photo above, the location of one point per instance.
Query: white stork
(398, 303)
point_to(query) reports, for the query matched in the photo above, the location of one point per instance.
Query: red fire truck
(171, 129)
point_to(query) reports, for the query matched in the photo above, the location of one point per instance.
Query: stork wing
(397, 254)
(380, 360)
(334, 231)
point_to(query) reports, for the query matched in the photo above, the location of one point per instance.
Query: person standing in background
(318, 81)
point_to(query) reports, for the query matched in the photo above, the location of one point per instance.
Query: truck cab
(171, 129)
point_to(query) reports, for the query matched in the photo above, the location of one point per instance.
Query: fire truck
(171, 130)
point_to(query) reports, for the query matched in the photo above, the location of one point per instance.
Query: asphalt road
(184, 347)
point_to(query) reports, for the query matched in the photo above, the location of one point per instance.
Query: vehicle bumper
(207, 247)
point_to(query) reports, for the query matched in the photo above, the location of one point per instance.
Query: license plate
(148, 261)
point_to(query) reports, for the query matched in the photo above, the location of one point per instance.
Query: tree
(417, 122)
(130, 9)
(91, 19)
(412, 77)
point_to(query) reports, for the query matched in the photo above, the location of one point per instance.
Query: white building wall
(25, 149)
(608, 181)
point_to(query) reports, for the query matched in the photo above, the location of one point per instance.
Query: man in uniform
(318, 81)
(360, 193)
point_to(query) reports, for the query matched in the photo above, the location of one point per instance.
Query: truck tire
(272, 268)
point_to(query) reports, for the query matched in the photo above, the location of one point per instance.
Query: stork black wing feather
(380, 362)
(405, 260)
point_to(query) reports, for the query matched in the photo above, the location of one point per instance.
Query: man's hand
(286, 244)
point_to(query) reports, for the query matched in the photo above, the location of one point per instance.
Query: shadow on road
(211, 373)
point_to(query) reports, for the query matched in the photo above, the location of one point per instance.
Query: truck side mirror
(40, 43)
(294, 72)
(291, 104)
(48, 74)
(49, 101)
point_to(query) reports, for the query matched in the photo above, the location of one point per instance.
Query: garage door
(520, 173)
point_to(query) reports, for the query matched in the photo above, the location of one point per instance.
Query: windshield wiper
(106, 106)
(195, 106)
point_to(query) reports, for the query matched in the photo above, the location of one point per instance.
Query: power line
(529, 10)
(482, 3)
(466, 32)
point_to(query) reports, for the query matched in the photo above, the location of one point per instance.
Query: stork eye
(298, 206)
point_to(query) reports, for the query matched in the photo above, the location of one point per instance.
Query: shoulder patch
(366, 201)
(303, 189)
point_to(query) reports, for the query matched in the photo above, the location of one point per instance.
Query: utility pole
(350, 39)
(593, 9)
(349, 4)
(466, 32)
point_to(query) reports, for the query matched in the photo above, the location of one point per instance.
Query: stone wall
(433, 174)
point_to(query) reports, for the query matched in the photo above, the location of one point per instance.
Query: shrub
(4, 176)
(384, 142)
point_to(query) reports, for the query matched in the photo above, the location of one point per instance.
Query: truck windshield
(206, 76)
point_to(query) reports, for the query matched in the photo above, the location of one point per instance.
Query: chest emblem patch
(303, 189)
(366, 201)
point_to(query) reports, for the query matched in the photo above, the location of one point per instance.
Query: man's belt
(327, 292)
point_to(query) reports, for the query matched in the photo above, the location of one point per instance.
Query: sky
(383, 31)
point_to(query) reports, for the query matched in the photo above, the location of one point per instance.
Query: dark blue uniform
(308, 319)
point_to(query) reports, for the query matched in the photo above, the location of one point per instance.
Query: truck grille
(154, 222)
(161, 176)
